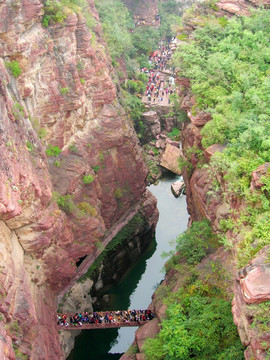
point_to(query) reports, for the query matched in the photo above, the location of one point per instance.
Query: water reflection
(104, 344)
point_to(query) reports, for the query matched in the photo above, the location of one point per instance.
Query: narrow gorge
(81, 141)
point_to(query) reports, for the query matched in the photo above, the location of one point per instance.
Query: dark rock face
(126, 253)
(143, 10)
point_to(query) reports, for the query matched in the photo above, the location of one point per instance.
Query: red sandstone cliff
(65, 95)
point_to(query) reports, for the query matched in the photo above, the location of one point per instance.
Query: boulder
(256, 175)
(177, 188)
(170, 159)
(252, 287)
(212, 149)
(152, 120)
(255, 285)
(160, 144)
(149, 330)
(172, 142)
(199, 119)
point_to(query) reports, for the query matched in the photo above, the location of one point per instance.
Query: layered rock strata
(56, 210)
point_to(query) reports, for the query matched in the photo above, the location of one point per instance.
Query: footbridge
(103, 319)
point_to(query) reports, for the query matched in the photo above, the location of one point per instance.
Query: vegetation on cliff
(227, 61)
(198, 321)
(228, 64)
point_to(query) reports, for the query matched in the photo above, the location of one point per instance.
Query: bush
(53, 150)
(14, 67)
(64, 90)
(118, 194)
(53, 13)
(87, 208)
(174, 134)
(194, 243)
(96, 168)
(88, 179)
(65, 203)
(201, 328)
(30, 146)
(226, 61)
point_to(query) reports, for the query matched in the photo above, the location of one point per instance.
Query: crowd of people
(158, 89)
(104, 317)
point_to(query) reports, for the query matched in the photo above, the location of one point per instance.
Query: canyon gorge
(74, 178)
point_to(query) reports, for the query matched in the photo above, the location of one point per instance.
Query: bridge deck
(103, 320)
(102, 325)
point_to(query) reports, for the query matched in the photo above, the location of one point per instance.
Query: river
(135, 289)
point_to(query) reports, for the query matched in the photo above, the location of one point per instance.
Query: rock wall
(143, 10)
(55, 211)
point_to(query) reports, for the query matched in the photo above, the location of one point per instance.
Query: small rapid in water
(138, 284)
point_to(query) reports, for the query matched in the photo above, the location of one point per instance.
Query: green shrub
(30, 146)
(64, 90)
(118, 194)
(87, 208)
(174, 134)
(88, 179)
(194, 243)
(259, 313)
(200, 328)
(227, 63)
(14, 67)
(14, 328)
(53, 150)
(20, 356)
(182, 37)
(53, 13)
(65, 203)
(80, 65)
(82, 81)
(135, 86)
(18, 110)
(57, 163)
(95, 168)
(42, 133)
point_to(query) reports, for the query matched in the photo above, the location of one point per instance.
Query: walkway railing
(103, 319)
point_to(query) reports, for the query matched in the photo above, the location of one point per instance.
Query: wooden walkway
(103, 320)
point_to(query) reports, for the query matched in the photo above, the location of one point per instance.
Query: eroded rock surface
(252, 287)
(56, 210)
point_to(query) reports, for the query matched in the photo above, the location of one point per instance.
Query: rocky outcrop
(55, 210)
(252, 286)
(144, 11)
(177, 188)
(170, 159)
(153, 123)
(256, 175)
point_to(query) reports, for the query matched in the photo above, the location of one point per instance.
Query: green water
(138, 283)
